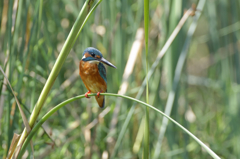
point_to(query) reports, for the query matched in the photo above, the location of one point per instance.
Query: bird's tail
(101, 101)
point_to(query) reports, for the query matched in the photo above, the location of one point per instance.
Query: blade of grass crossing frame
(58, 65)
(177, 75)
(25, 121)
(54, 109)
(87, 17)
(150, 73)
(8, 49)
(146, 129)
(38, 37)
(19, 6)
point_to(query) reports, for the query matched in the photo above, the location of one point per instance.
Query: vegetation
(194, 79)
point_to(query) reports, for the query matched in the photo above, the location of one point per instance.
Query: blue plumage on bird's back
(93, 73)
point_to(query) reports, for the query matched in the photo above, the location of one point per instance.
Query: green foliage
(146, 118)
(207, 97)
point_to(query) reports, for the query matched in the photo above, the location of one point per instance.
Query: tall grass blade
(146, 129)
(25, 121)
(57, 66)
(53, 110)
(134, 53)
(149, 75)
(177, 76)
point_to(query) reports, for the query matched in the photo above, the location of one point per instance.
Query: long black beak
(107, 62)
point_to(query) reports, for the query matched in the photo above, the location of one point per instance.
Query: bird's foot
(86, 94)
(98, 93)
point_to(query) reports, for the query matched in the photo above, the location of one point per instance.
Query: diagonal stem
(176, 79)
(150, 73)
(56, 68)
(53, 110)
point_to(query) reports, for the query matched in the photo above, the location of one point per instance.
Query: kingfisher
(93, 73)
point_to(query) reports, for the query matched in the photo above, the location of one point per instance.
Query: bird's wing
(102, 71)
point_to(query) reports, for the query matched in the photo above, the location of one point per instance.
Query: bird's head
(93, 55)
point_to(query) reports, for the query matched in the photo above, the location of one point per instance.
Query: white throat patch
(94, 61)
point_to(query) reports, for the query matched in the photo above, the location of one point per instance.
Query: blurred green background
(207, 99)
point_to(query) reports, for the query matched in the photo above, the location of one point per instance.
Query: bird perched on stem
(93, 73)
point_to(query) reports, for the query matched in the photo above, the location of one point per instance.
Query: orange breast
(91, 77)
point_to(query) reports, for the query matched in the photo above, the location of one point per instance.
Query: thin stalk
(87, 17)
(177, 75)
(57, 66)
(149, 75)
(10, 63)
(53, 110)
(146, 129)
(38, 37)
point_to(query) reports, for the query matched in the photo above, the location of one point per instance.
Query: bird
(93, 73)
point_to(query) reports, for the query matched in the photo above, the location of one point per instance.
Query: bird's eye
(93, 55)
